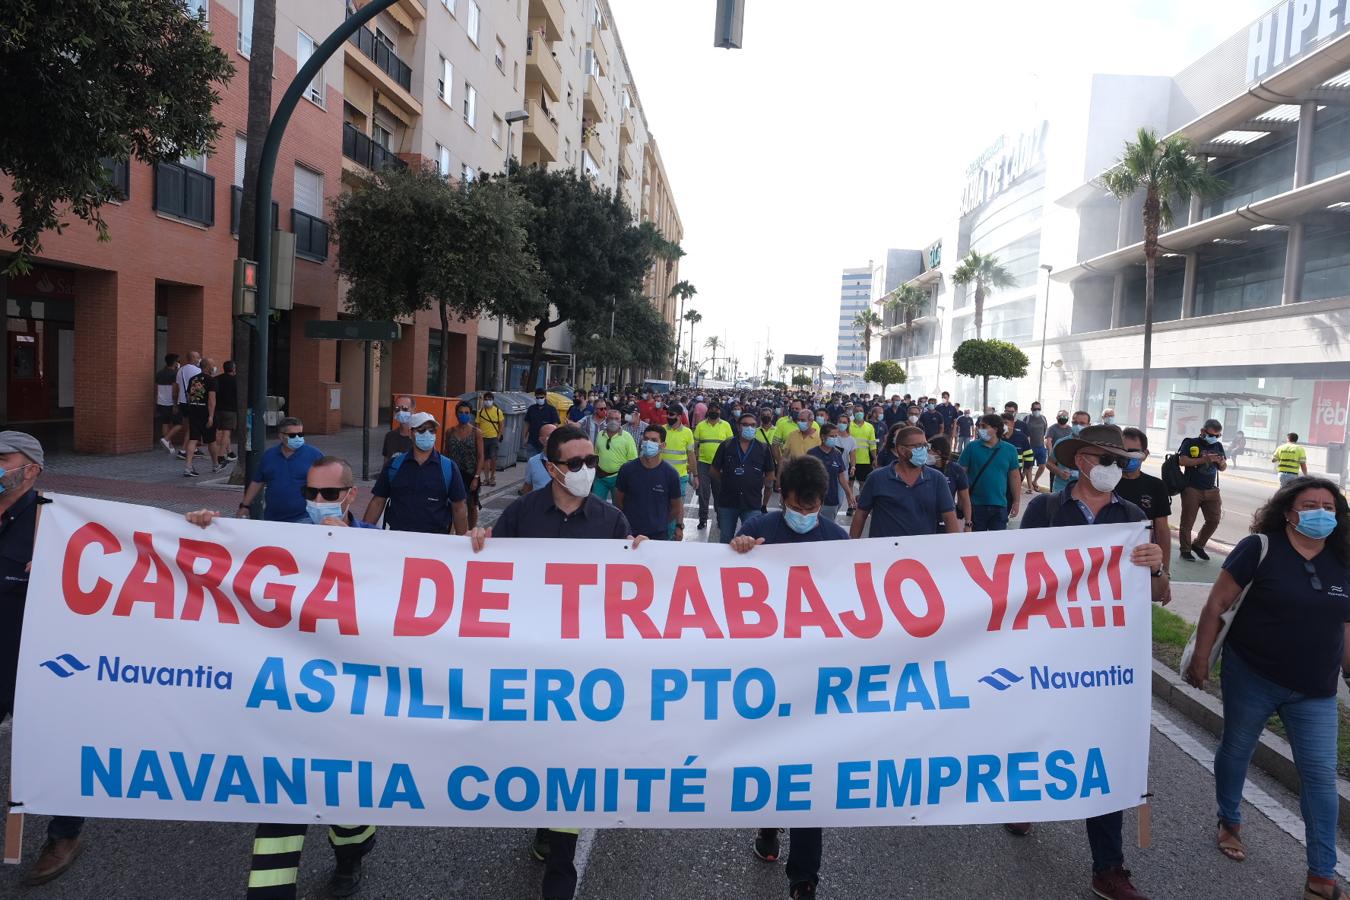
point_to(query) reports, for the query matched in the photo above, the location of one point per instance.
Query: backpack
(1173, 478)
(447, 469)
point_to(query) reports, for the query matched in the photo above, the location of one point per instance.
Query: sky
(843, 128)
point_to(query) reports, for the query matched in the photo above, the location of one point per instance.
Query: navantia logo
(65, 665)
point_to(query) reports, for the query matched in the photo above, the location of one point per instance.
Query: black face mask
(1063, 420)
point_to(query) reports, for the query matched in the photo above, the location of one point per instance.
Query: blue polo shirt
(741, 474)
(932, 422)
(418, 499)
(284, 478)
(774, 529)
(1073, 511)
(899, 510)
(834, 464)
(1206, 477)
(536, 473)
(646, 496)
(991, 487)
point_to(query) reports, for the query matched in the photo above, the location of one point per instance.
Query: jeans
(1104, 837)
(704, 489)
(804, 848)
(1208, 503)
(989, 518)
(1286, 477)
(1249, 700)
(829, 513)
(728, 519)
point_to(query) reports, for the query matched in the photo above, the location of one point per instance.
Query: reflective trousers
(276, 855)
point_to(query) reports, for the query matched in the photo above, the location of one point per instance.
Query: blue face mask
(803, 426)
(1211, 439)
(424, 440)
(836, 443)
(1316, 523)
(748, 432)
(983, 433)
(4, 472)
(295, 443)
(650, 449)
(464, 418)
(821, 420)
(320, 511)
(802, 523)
(918, 456)
(1133, 465)
(1077, 429)
(402, 417)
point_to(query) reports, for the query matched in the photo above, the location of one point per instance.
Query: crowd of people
(771, 467)
(197, 409)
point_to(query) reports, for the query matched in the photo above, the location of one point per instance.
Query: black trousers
(804, 849)
(1104, 837)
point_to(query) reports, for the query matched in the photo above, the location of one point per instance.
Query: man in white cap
(420, 490)
(21, 461)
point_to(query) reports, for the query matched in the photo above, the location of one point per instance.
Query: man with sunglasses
(566, 509)
(399, 438)
(909, 497)
(329, 494)
(283, 469)
(1099, 455)
(421, 490)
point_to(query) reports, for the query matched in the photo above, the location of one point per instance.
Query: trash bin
(513, 410)
(1335, 460)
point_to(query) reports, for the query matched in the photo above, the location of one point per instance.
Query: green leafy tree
(89, 80)
(868, 322)
(885, 372)
(1164, 170)
(642, 339)
(590, 254)
(989, 359)
(909, 302)
(988, 275)
(408, 239)
(801, 379)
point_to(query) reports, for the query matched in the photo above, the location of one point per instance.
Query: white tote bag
(1225, 618)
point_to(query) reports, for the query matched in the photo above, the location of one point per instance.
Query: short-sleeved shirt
(835, 465)
(490, 420)
(536, 473)
(1289, 458)
(1037, 425)
(991, 487)
(958, 480)
(199, 389)
(741, 473)
(899, 510)
(227, 393)
(395, 441)
(1204, 477)
(578, 412)
(949, 413)
(1058, 432)
(537, 516)
(185, 373)
(964, 426)
(614, 450)
(1071, 511)
(709, 435)
(1286, 630)
(774, 529)
(164, 381)
(932, 423)
(676, 452)
(866, 436)
(799, 443)
(537, 416)
(647, 493)
(418, 497)
(284, 477)
(1148, 493)
(1022, 443)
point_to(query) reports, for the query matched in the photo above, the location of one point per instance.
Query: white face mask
(578, 483)
(1105, 478)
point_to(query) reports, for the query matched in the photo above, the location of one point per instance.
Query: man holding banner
(1098, 454)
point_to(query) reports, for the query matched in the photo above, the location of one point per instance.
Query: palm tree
(1163, 170)
(988, 275)
(910, 302)
(768, 363)
(713, 343)
(867, 322)
(693, 317)
(684, 290)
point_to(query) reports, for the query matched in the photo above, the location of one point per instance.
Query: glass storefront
(37, 384)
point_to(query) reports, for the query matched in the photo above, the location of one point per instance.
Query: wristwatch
(1160, 573)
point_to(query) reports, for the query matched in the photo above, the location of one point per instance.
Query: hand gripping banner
(255, 672)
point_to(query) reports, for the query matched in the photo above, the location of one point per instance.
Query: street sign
(352, 330)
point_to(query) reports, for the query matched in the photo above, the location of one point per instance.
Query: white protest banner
(293, 673)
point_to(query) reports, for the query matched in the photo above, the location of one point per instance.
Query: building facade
(855, 295)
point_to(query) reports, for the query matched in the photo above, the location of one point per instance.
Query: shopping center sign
(1331, 408)
(1292, 30)
(1011, 157)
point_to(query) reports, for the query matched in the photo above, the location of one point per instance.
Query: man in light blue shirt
(536, 475)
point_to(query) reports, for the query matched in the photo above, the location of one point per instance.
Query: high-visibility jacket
(678, 442)
(866, 436)
(1288, 458)
(709, 435)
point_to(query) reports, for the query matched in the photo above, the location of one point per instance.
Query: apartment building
(87, 328)
(855, 295)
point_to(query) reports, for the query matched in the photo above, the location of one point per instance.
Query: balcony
(389, 76)
(389, 63)
(595, 107)
(185, 193)
(541, 134)
(237, 203)
(542, 66)
(598, 49)
(594, 148)
(548, 15)
(361, 149)
(628, 128)
(311, 236)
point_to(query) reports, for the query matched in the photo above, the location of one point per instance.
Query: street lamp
(518, 115)
(937, 376)
(1045, 327)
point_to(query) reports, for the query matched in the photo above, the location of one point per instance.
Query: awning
(1236, 399)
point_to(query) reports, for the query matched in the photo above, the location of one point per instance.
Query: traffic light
(730, 23)
(245, 286)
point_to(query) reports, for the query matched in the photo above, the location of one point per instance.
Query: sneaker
(766, 845)
(220, 466)
(346, 878)
(1200, 553)
(1186, 555)
(164, 442)
(702, 524)
(180, 454)
(1114, 884)
(802, 890)
(540, 847)
(231, 456)
(849, 513)
(199, 452)
(189, 473)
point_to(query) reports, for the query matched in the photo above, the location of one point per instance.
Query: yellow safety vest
(1288, 458)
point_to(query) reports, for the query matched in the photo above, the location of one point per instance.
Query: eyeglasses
(575, 463)
(291, 434)
(429, 428)
(1106, 460)
(328, 493)
(403, 409)
(1313, 580)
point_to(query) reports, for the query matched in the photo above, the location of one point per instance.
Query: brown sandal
(1309, 893)
(1230, 844)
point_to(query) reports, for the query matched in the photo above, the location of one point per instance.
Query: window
(183, 190)
(515, 76)
(311, 231)
(451, 6)
(381, 135)
(240, 154)
(303, 51)
(443, 161)
(470, 105)
(119, 176)
(496, 129)
(567, 149)
(445, 85)
(500, 57)
(195, 162)
(468, 173)
(245, 26)
(308, 192)
(473, 21)
(198, 9)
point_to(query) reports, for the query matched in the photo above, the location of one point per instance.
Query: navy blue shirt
(932, 423)
(834, 464)
(774, 529)
(537, 415)
(949, 413)
(284, 478)
(1287, 630)
(957, 480)
(536, 516)
(1072, 512)
(899, 510)
(965, 426)
(418, 498)
(742, 474)
(1204, 477)
(646, 496)
(17, 525)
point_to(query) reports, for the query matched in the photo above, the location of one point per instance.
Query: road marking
(585, 840)
(1267, 805)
